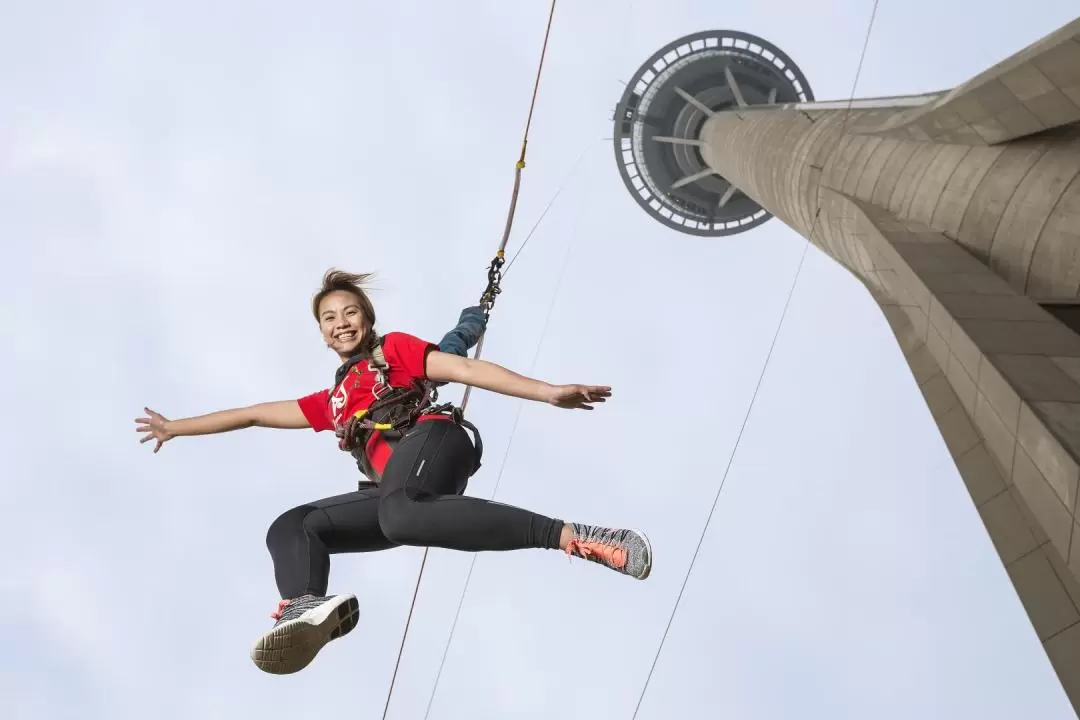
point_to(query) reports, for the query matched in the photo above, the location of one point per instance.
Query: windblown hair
(338, 280)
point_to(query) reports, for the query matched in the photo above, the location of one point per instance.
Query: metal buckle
(380, 381)
(375, 389)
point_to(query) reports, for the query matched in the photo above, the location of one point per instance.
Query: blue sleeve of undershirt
(466, 334)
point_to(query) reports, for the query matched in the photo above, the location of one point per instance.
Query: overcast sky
(175, 177)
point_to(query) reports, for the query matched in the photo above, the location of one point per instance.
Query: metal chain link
(487, 298)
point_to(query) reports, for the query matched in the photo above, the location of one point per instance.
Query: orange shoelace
(609, 554)
(282, 604)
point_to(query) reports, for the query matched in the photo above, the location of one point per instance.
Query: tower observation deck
(663, 110)
(959, 211)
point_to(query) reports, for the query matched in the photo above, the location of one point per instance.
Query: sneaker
(625, 551)
(304, 625)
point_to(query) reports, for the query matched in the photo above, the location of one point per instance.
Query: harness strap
(378, 357)
(395, 412)
(378, 365)
(478, 442)
(448, 411)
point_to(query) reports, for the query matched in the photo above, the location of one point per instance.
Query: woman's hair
(338, 280)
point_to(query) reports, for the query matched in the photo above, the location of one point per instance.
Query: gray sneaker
(625, 551)
(304, 625)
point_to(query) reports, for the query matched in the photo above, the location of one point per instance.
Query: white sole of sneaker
(648, 546)
(291, 646)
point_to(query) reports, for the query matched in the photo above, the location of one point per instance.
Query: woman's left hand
(156, 428)
(578, 397)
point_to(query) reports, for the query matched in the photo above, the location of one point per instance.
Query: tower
(960, 213)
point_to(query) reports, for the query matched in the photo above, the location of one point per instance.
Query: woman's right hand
(578, 397)
(155, 427)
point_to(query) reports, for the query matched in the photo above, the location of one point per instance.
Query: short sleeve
(407, 352)
(316, 409)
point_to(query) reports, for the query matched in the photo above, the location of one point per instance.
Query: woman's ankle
(566, 535)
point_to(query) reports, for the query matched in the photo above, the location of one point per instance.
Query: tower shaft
(1014, 205)
(960, 213)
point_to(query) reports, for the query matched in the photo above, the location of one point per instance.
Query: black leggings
(418, 503)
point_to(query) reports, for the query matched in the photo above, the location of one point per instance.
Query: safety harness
(394, 412)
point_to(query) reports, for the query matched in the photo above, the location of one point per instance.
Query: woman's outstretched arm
(442, 367)
(282, 414)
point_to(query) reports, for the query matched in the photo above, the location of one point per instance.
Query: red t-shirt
(329, 409)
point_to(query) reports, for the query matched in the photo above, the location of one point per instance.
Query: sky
(175, 178)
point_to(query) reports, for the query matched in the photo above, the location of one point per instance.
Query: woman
(416, 471)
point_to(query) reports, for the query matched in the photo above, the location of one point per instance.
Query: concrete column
(954, 237)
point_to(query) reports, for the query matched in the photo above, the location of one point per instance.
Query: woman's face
(341, 322)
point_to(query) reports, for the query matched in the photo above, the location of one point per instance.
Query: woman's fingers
(581, 397)
(596, 393)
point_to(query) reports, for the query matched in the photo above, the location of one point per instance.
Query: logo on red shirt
(338, 401)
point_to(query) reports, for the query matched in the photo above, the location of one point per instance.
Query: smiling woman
(345, 313)
(417, 458)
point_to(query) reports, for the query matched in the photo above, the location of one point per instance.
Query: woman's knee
(291, 524)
